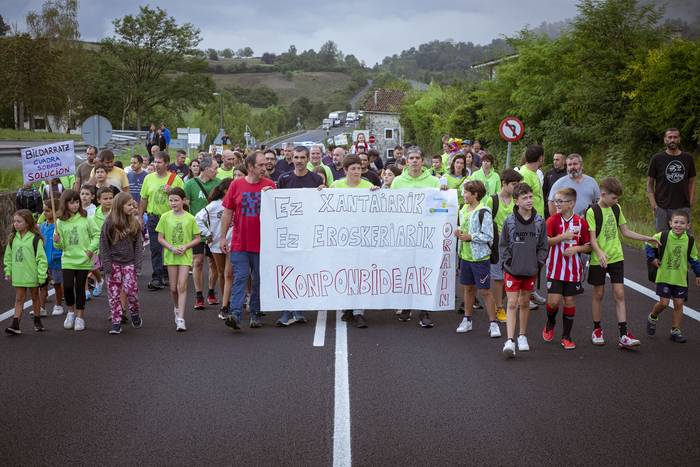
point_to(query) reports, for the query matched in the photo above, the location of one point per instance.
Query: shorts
(56, 275)
(671, 291)
(497, 271)
(616, 271)
(567, 289)
(475, 273)
(202, 248)
(518, 283)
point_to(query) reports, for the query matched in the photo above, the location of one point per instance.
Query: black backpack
(659, 254)
(494, 243)
(598, 216)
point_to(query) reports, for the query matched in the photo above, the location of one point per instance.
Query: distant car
(325, 126)
(351, 117)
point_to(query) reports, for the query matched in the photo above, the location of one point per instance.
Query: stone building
(382, 120)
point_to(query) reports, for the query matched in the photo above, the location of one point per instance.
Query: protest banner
(356, 248)
(48, 161)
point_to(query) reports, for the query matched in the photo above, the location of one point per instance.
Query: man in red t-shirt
(568, 237)
(242, 202)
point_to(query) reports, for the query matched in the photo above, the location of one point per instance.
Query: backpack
(495, 202)
(659, 254)
(494, 243)
(598, 216)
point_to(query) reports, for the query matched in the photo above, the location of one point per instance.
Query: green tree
(328, 54)
(227, 53)
(212, 54)
(4, 27)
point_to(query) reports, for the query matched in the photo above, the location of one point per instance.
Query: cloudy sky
(370, 30)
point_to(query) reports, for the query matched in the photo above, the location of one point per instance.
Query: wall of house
(377, 124)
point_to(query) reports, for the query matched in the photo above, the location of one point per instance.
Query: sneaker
(537, 298)
(69, 321)
(136, 321)
(165, 281)
(180, 325)
(494, 330)
(155, 285)
(398, 312)
(477, 305)
(284, 320)
(464, 326)
(223, 312)
(13, 331)
(628, 341)
(347, 316)
(533, 305)
(405, 315)
(597, 337)
(676, 336)
(501, 314)
(212, 300)
(38, 325)
(509, 348)
(425, 321)
(232, 322)
(523, 345)
(57, 310)
(43, 312)
(116, 328)
(297, 317)
(255, 323)
(548, 336)
(88, 295)
(97, 291)
(79, 324)
(651, 324)
(568, 344)
(360, 321)
(199, 303)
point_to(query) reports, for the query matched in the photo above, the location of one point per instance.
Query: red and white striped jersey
(561, 267)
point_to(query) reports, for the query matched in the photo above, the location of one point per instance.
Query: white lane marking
(320, 333)
(689, 312)
(341, 414)
(11, 312)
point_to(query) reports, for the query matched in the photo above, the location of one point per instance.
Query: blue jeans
(244, 264)
(156, 248)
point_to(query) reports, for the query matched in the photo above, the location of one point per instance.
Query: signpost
(511, 130)
(96, 131)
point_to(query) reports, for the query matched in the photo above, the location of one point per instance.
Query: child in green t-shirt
(178, 233)
(607, 258)
(672, 273)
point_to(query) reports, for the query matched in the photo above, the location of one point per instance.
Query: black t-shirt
(672, 174)
(372, 177)
(181, 170)
(291, 180)
(283, 166)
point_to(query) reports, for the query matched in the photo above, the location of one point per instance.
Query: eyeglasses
(561, 201)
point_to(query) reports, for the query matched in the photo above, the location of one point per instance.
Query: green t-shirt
(99, 218)
(492, 182)
(198, 199)
(153, 190)
(456, 184)
(26, 267)
(673, 269)
(178, 231)
(77, 234)
(326, 169)
(504, 210)
(343, 183)
(222, 173)
(533, 180)
(609, 238)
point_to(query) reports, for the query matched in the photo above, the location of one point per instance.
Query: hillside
(316, 86)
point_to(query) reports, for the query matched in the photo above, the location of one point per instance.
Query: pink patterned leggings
(123, 277)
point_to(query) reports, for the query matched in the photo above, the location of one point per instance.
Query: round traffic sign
(96, 131)
(511, 129)
(372, 139)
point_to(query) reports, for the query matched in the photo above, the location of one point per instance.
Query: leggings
(74, 287)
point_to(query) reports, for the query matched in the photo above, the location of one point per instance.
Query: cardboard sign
(48, 161)
(356, 248)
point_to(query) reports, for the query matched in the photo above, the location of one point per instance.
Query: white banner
(49, 161)
(356, 248)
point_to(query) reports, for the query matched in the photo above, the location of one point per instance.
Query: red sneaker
(547, 335)
(568, 344)
(199, 303)
(212, 300)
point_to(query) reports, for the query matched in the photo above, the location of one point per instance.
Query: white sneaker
(533, 305)
(57, 310)
(464, 326)
(79, 324)
(537, 298)
(509, 349)
(180, 325)
(398, 312)
(628, 341)
(494, 330)
(523, 346)
(70, 320)
(597, 337)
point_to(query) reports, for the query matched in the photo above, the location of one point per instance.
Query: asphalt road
(211, 396)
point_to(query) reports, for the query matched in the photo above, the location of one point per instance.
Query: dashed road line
(689, 312)
(320, 332)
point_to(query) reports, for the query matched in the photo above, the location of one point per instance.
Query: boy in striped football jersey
(568, 237)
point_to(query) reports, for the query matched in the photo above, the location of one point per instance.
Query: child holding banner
(26, 266)
(78, 237)
(178, 233)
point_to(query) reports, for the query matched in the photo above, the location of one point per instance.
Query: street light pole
(221, 109)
